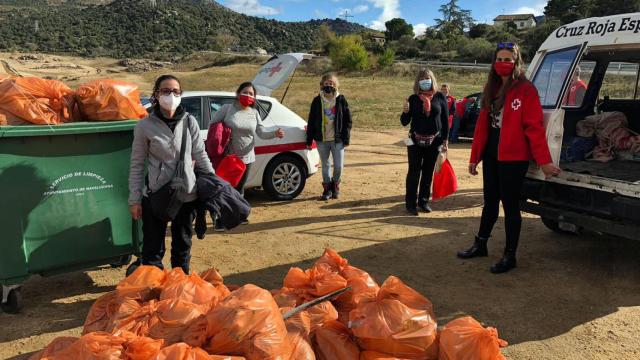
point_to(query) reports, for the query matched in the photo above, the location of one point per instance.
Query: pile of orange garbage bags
(168, 315)
(32, 100)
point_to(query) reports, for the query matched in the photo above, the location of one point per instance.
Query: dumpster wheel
(12, 302)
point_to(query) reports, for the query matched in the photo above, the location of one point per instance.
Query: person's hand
(473, 169)
(279, 133)
(136, 211)
(405, 107)
(445, 146)
(550, 170)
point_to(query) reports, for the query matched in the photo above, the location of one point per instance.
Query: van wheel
(14, 301)
(555, 227)
(284, 178)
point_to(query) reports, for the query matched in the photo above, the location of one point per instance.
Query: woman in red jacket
(509, 133)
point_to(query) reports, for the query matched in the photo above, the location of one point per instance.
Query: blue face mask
(425, 84)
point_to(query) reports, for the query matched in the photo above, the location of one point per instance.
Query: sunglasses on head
(508, 45)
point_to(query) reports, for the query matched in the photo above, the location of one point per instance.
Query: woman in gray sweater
(156, 143)
(245, 123)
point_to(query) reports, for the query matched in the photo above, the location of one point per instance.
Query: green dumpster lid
(67, 129)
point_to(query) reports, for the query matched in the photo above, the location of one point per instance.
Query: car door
(194, 105)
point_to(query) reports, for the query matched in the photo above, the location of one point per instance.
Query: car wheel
(285, 177)
(14, 301)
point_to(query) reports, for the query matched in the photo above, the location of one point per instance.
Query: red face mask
(246, 100)
(503, 68)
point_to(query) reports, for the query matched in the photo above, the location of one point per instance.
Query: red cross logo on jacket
(515, 104)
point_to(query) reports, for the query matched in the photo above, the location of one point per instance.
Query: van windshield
(552, 73)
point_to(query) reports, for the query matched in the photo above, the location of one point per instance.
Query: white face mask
(169, 102)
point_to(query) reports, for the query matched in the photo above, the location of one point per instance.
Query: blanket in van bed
(612, 132)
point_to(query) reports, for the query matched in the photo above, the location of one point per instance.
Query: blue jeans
(453, 134)
(336, 151)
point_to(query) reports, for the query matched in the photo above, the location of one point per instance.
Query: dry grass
(375, 99)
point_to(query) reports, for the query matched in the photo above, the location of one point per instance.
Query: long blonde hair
(422, 73)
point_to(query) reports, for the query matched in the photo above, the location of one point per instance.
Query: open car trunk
(612, 154)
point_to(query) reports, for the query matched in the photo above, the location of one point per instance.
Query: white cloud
(419, 29)
(537, 9)
(390, 10)
(251, 7)
(360, 9)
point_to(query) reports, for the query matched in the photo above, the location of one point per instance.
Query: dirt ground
(571, 297)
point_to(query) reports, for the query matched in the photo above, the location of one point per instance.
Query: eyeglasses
(502, 46)
(167, 91)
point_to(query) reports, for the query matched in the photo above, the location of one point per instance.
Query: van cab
(587, 76)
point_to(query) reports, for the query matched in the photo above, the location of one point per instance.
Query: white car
(282, 165)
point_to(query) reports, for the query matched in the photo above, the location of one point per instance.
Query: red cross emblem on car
(515, 104)
(276, 69)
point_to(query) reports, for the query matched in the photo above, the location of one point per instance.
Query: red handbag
(445, 182)
(231, 169)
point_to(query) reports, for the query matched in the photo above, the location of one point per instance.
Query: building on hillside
(522, 21)
(378, 37)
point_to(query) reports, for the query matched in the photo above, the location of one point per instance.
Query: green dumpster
(64, 194)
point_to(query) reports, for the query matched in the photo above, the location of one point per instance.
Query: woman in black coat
(427, 113)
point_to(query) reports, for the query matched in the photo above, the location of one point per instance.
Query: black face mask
(328, 89)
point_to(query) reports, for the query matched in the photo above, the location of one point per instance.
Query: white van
(604, 195)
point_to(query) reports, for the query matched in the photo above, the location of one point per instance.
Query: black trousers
(153, 234)
(243, 180)
(422, 162)
(502, 181)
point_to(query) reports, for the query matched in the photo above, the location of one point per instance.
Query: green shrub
(348, 53)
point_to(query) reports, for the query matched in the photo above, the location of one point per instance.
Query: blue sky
(373, 13)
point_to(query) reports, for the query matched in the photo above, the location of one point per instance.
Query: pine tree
(454, 19)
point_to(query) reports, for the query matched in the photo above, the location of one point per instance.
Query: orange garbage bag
(107, 310)
(192, 288)
(466, 339)
(182, 351)
(363, 289)
(142, 348)
(298, 331)
(57, 345)
(38, 101)
(166, 319)
(92, 346)
(374, 355)
(321, 314)
(400, 323)
(333, 259)
(334, 342)
(286, 297)
(144, 284)
(246, 323)
(107, 99)
(320, 280)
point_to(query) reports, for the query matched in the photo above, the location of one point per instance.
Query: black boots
(505, 264)
(335, 189)
(328, 191)
(479, 248)
(424, 207)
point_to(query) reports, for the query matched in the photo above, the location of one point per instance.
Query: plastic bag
(182, 351)
(445, 182)
(142, 348)
(400, 323)
(320, 280)
(35, 100)
(374, 355)
(321, 314)
(92, 346)
(166, 319)
(231, 169)
(298, 335)
(107, 310)
(144, 284)
(107, 99)
(56, 346)
(334, 342)
(246, 323)
(466, 339)
(192, 289)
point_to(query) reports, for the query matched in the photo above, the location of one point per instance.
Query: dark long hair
(244, 85)
(156, 87)
(494, 92)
